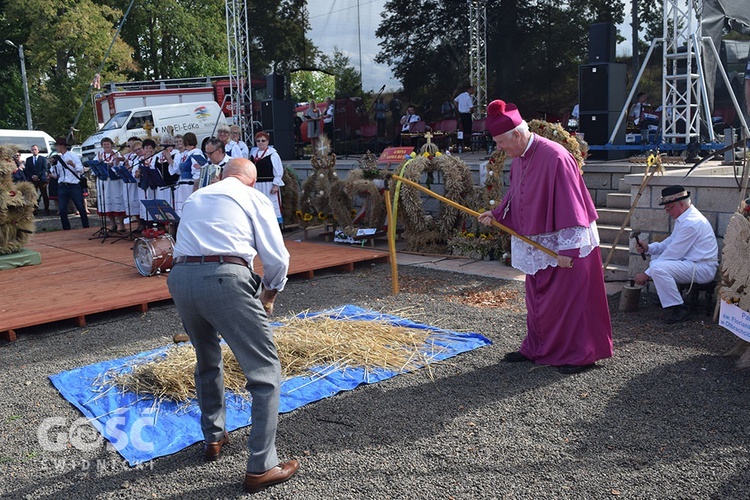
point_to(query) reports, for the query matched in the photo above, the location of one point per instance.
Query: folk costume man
(688, 255)
(217, 293)
(68, 171)
(217, 159)
(568, 319)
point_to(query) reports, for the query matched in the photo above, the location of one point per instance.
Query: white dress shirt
(229, 218)
(464, 102)
(64, 174)
(692, 239)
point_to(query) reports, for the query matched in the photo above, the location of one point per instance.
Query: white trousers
(667, 274)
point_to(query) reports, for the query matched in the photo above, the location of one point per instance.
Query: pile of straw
(303, 344)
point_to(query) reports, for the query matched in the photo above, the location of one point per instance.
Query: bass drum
(153, 255)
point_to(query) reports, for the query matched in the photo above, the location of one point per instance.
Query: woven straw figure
(364, 183)
(290, 197)
(316, 190)
(17, 204)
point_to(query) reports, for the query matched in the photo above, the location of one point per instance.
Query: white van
(24, 139)
(199, 118)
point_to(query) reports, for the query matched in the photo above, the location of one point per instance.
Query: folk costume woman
(568, 323)
(270, 171)
(190, 170)
(148, 175)
(111, 203)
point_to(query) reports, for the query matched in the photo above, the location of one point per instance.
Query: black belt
(185, 182)
(224, 259)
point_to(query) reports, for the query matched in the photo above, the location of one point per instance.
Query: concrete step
(608, 232)
(612, 216)
(622, 186)
(621, 256)
(618, 200)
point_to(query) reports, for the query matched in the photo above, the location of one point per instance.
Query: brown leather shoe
(180, 337)
(282, 472)
(211, 451)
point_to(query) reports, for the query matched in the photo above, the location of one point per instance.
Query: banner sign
(735, 320)
(395, 155)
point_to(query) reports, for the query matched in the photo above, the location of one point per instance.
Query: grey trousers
(222, 299)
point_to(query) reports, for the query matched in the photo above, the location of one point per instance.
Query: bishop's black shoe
(515, 357)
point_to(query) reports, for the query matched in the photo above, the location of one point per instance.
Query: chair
(478, 134)
(416, 130)
(445, 131)
(368, 132)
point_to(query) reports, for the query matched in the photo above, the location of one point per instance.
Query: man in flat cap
(688, 255)
(568, 323)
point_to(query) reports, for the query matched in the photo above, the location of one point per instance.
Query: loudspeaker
(601, 87)
(275, 86)
(283, 142)
(276, 114)
(596, 129)
(602, 42)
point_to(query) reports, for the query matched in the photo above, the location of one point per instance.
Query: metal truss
(238, 49)
(478, 54)
(683, 85)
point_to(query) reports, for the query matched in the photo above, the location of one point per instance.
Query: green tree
(306, 85)
(533, 48)
(176, 38)
(65, 43)
(348, 81)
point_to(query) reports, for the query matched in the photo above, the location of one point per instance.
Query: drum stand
(171, 227)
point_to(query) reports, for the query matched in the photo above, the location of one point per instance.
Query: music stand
(161, 211)
(127, 178)
(101, 173)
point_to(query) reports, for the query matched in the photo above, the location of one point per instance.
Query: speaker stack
(601, 92)
(276, 117)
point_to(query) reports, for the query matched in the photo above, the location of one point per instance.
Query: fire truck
(116, 97)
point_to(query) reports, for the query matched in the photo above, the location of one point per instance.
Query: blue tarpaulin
(141, 429)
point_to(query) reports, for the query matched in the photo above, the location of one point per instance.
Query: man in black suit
(36, 173)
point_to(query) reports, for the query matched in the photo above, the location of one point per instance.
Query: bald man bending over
(223, 227)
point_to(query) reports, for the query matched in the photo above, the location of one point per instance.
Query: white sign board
(735, 320)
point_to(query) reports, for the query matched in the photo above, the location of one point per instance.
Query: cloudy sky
(334, 24)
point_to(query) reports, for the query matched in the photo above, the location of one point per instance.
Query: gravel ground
(666, 417)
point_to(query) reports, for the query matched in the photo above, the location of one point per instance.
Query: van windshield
(116, 122)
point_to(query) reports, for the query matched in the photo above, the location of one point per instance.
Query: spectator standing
(381, 111)
(313, 116)
(465, 104)
(18, 174)
(36, 173)
(395, 106)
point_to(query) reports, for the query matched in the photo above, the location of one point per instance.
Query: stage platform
(80, 277)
